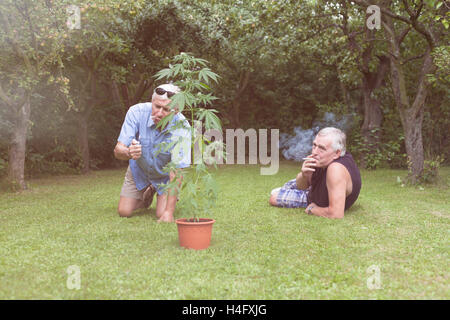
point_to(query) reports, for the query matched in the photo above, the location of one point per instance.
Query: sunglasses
(161, 92)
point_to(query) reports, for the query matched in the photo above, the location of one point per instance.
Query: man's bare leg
(161, 203)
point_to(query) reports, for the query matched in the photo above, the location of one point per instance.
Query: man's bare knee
(127, 206)
(124, 212)
(125, 209)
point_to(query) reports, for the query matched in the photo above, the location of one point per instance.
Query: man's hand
(303, 179)
(135, 149)
(310, 207)
(308, 167)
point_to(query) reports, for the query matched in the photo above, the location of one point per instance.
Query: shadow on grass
(150, 213)
(147, 213)
(354, 209)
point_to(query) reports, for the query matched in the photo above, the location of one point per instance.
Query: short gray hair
(168, 87)
(338, 138)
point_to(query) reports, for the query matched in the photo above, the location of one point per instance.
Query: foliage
(442, 12)
(430, 173)
(38, 163)
(387, 154)
(3, 165)
(198, 186)
(441, 58)
(431, 170)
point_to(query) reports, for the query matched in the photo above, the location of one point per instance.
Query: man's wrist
(309, 209)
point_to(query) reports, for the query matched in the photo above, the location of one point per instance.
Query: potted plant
(198, 189)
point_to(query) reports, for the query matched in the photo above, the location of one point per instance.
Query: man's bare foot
(166, 217)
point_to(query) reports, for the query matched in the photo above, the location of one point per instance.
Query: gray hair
(168, 87)
(338, 138)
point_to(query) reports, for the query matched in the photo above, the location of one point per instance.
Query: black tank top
(319, 191)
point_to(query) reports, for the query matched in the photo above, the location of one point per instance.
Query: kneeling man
(139, 142)
(329, 182)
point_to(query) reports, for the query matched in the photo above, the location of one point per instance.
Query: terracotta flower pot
(195, 235)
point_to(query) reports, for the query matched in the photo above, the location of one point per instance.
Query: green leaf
(178, 101)
(211, 120)
(165, 73)
(205, 86)
(165, 121)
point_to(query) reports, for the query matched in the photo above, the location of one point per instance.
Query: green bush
(431, 170)
(386, 154)
(59, 160)
(3, 165)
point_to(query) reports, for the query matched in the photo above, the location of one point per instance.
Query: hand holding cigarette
(308, 166)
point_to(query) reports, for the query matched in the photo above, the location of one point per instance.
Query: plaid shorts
(289, 196)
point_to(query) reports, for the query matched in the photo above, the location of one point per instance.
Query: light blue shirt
(148, 168)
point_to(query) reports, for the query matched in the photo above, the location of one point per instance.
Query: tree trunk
(412, 126)
(236, 103)
(371, 80)
(371, 128)
(412, 119)
(83, 121)
(345, 97)
(373, 115)
(16, 168)
(411, 114)
(83, 143)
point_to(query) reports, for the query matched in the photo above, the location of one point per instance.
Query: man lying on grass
(138, 142)
(329, 182)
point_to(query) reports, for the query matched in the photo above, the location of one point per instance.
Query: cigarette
(309, 159)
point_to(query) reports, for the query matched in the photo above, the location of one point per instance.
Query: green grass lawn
(256, 252)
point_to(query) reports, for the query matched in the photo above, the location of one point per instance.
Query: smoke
(297, 146)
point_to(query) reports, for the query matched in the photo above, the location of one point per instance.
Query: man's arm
(302, 182)
(127, 137)
(337, 176)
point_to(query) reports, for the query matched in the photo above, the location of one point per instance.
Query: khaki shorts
(129, 189)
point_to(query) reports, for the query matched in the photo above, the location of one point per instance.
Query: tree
(401, 19)
(99, 54)
(248, 41)
(30, 42)
(372, 77)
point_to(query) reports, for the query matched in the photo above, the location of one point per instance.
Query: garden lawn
(398, 234)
